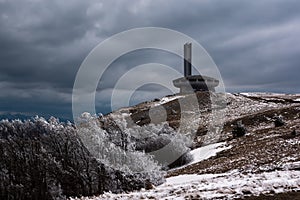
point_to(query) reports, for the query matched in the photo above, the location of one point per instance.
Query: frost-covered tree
(116, 150)
(47, 160)
(168, 147)
(43, 159)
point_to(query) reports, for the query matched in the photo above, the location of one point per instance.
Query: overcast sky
(255, 44)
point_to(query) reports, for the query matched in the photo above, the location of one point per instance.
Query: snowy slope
(265, 161)
(208, 186)
(205, 152)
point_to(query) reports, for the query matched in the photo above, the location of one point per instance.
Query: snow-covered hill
(228, 185)
(111, 156)
(264, 161)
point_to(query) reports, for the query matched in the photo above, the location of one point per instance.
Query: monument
(193, 83)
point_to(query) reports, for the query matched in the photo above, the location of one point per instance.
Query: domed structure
(193, 83)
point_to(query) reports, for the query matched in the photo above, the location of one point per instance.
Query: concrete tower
(187, 59)
(193, 83)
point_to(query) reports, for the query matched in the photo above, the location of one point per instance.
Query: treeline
(46, 160)
(50, 160)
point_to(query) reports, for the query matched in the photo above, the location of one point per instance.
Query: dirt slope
(265, 148)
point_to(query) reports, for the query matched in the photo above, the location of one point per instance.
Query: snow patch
(207, 151)
(209, 186)
(168, 99)
(188, 178)
(257, 94)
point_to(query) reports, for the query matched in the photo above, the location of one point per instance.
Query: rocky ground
(264, 147)
(263, 164)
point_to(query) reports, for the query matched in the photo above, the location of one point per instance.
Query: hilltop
(264, 162)
(111, 156)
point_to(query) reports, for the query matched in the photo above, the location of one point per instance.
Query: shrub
(278, 121)
(239, 129)
(47, 160)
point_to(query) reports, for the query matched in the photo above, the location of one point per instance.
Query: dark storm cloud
(254, 44)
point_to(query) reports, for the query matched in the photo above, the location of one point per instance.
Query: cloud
(43, 43)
